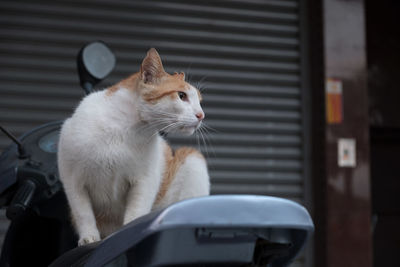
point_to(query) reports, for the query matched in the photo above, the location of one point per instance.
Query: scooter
(232, 230)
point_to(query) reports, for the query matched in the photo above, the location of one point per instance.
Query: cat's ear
(151, 69)
(180, 76)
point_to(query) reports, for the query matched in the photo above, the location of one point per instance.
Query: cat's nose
(200, 115)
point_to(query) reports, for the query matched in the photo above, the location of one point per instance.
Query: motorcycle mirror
(95, 62)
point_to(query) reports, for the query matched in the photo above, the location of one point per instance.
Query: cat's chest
(132, 154)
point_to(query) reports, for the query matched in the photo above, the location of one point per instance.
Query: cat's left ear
(151, 69)
(180, 76)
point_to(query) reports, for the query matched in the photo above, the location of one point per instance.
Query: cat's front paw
(88, 239)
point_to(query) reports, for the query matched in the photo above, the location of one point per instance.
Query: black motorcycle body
(35, 202)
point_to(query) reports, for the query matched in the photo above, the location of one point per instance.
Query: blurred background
(300, 98)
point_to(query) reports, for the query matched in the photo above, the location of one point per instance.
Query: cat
(113, 163)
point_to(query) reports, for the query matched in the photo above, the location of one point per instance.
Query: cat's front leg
(141, 196)
(82, 213)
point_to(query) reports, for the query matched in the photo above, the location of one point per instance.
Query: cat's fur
(114, 165)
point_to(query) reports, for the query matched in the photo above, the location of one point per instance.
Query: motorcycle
(232, 230)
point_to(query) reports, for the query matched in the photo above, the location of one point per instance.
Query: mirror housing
(95, 62)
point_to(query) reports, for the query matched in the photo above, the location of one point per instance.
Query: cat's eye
(182, 96)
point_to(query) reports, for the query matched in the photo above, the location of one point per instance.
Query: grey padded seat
(221, 230)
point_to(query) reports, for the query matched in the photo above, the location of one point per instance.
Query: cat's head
(167, 101)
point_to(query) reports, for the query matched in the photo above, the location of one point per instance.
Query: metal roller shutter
(246, 55)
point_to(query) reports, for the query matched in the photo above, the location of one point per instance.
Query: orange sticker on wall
(333, 93)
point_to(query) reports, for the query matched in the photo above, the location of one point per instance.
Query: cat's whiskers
(209, 128)
(171, 116)
(149, 127)
(204, 133)
(200, 85)
(204, 142)
(188, 75)
(167, 128)
(154, 128)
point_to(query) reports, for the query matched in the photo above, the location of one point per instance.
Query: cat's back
(82, 128)
(89, 110)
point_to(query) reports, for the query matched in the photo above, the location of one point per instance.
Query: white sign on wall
(347, 152)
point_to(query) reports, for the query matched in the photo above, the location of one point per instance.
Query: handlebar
(22, 199)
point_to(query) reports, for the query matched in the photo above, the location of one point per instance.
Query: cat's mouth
(190, 128)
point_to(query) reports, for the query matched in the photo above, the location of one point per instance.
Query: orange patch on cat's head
(153, 82)
(169, 86)
(180, 76)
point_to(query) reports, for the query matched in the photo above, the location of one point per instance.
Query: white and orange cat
(113, 163)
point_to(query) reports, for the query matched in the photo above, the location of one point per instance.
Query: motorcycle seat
(221, 230)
